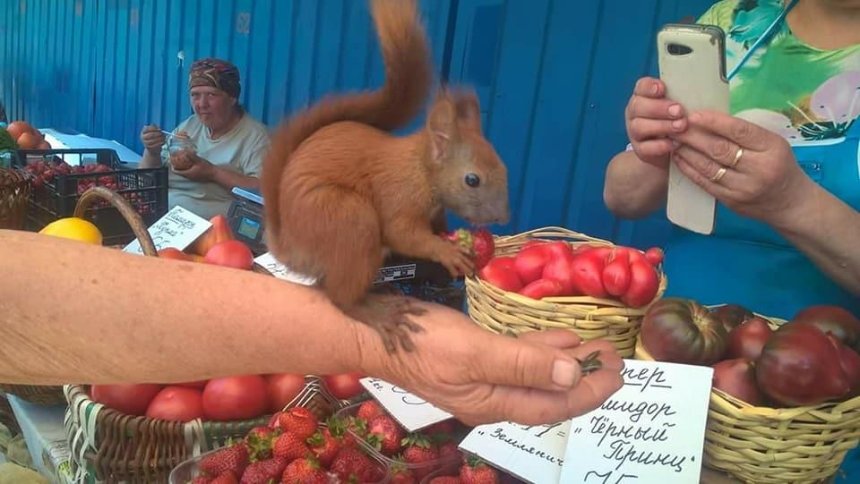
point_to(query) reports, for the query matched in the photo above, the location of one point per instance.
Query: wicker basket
(591, 318)
(53, 395)
(109, 446)
(764, 445)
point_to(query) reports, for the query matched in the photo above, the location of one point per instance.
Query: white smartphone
(692, 65)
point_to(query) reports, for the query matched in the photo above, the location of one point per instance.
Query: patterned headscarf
(215, 73)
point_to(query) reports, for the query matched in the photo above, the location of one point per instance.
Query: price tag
(177, 228)
(650, 431)
(412, 412)
(531, 453)
(268, 262)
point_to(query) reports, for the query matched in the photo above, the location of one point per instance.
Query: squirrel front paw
(456, 258)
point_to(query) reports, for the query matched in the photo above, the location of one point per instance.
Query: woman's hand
(191, 166)
(651, 120)
(481, 377)
(748, 168)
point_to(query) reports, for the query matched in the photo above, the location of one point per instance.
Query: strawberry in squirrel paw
(341, 191)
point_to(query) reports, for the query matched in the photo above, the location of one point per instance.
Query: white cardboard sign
(411, 411)
(650, 432)
(531, 453)
(268, 262)
(177, 228)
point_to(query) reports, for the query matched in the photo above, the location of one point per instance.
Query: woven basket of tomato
(139, 433)
(553, 278)
(785, 402)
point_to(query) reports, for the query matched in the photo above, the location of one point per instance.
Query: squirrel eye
(473, 180)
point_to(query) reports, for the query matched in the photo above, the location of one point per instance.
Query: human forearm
(150, 160)
(71, 313)
(634, 189)
(827, 231)
(229, 179)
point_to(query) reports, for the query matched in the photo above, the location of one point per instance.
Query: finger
(517, 363)
(643, 129)
(691, 172)
(644, 107)
(655, 148)
(716, 147)
(557, 338)
(706, 166)
(649, 87)
(741, 132)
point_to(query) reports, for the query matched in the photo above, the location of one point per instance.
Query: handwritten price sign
(531, 453)
(177, 228)
(268, 262)
(650, 431)
(411, 411)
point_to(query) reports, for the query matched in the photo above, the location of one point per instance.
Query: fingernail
(655, 89)
(674, 110)
(678, 124)
(564, 373)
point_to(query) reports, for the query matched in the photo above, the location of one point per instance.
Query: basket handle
(125, 209)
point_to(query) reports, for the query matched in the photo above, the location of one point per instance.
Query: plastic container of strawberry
(59, 177)
(451, 475)
(400, 462)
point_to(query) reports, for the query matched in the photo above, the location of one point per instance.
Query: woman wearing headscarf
(226, 146)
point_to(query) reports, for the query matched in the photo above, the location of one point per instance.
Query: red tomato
(616, 274)
(558, 249)
(558, 269)
(737, 378)
(542, 288)
(748, 339)
(230, 253)
(501, 273)
(530, 263)
(283, 388)
(128, 399)
(587, 270)
(644, 283)
(235, 398)
(654, 255)
(634, 254)
(177, 404)
(344, 385)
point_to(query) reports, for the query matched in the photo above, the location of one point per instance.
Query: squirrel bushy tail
(408, 80)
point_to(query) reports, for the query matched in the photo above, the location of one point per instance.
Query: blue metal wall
(553, 75)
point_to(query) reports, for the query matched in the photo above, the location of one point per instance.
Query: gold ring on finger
(719, 174)
(737, 159)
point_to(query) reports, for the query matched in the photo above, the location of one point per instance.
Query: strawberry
(445, 480)
(300, 421)
(225, 478)
(259, 441)
(274, 421)
(304, 471)
(384, 434)
(399, 473)
(233, 458)
(417, 449)
(450, 451)
(480, 243)
(475, 471)
(202, 480)
(262, 471)
(351, 464)
(441, 431)
(289, 446)
(324, 446)
(369, 409)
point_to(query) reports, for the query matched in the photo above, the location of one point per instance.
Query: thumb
(520, 363)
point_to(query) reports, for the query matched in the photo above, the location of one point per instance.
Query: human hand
(748, 168)
(481, 377)
(187, 164)
(152, 138)
(650, 119)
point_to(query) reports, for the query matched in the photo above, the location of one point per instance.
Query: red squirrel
(340, 191)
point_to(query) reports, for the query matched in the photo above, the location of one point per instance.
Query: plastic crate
(56, 191)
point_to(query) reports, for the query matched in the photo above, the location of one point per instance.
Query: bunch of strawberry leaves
(292, 448)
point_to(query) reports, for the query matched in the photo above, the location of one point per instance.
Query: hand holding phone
(692, 66)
